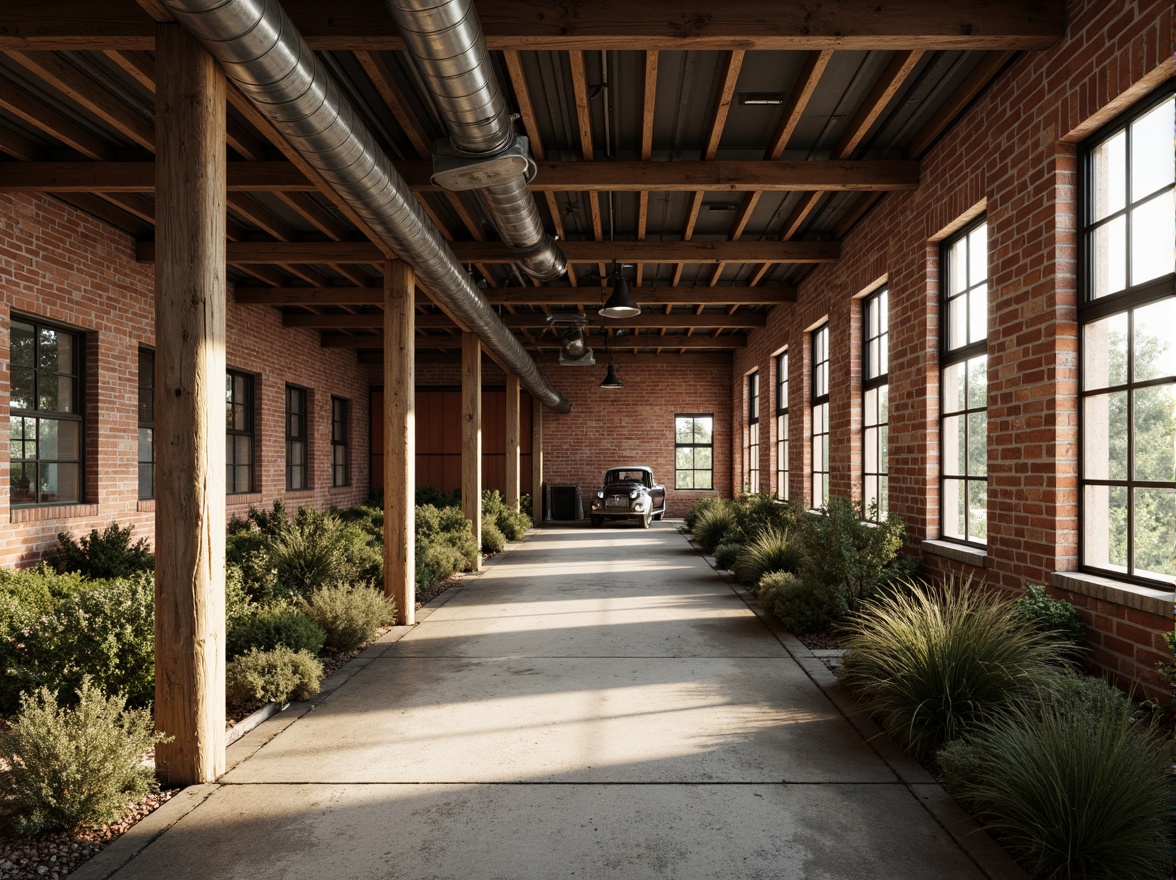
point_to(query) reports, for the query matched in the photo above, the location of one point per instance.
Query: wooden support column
(189, 409)
(400, 440)
(513, 442)
(471, 434)
(537, 465)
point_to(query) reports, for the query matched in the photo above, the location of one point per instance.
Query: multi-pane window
(751, 451)
(875, 403)
(340, 471)
(964, 387)
(296, 443)
(694, 440)
(820, 416)
(146, 423)
(1128, 348)
(239, 432)
(45, 414)
(782, 426)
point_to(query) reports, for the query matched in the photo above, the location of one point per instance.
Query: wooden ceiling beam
(747, 320)
(18, 146)
(604, 24)
(550, 343)
(620, 358)
(58, 126)
(715, 176)
(310, 252)
(555, 296)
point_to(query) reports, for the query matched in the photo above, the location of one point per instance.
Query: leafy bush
(512, 523)
(770, 550)
(713, 524)
(431, 496)
(349, 615)
(106, 632)
(1046, 614)
(28, 594)
(699, 507)
(796, 603)
(269, 627)
(754, 513)
(436, 563)
(493, 541)
(101, 555)
(726, 554)
(70, 768)
(245, 550)
(271, 522)
(448, 525)
(848, 557)
(1074, 786)
(369, 519)
(273, 676)
(932, 663)
(312, 551)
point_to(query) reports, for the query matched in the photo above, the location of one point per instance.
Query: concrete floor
(596, 704)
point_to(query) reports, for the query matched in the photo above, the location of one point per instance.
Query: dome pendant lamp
(610, 380)
(620, 303)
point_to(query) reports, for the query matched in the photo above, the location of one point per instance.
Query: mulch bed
(54, 856)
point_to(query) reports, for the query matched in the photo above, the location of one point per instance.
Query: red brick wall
(1012, 156)
(61, 265)
(635, 425)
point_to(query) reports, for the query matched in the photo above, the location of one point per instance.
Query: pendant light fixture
(611, 382)
(620, 303)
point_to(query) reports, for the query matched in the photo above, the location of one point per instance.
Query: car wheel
(659, 516)
(597, 521)
(645, 520)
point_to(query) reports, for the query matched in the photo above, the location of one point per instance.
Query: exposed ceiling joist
(739, 321)
(550, 296)
(550, 343)
(282, 252)
(620, 358)
(603, 24)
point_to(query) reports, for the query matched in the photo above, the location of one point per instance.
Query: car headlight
(600, 495)
(634, 494)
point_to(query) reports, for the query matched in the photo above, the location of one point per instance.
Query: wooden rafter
(604, 24)
(556, 296)
(326, 252)
(743, 320)
(549, 343)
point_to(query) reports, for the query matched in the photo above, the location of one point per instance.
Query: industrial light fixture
(620, 303)
(610, 380)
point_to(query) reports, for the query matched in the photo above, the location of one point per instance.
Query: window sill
(51, 512)
(146, 505)
(1146, 599)
(957, 552)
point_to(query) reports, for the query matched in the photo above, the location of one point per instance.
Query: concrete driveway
(598, 703)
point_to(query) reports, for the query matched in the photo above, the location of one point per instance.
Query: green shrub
(369, 519)
(269, 627)
(246, 551)
(448, 525)
(493, 541)
(348, 615)
(273, 676)
(70, 768)
(1053, 615)
(1074, 786)
(796, 603)
(726, 554)
(40, 589)
(312, 551)
(934, 662)
(846, 556)
(106, 632)
(436, 563)
(271, 522)
(699, 507)
(770, 550)
(431, 496)
(101, 555)
(754, 513)
(514, 524)
(713, 524)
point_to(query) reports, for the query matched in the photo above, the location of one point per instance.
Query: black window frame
(752, 448)
(340, 442)
(233, 469)
(819, 406)
(694, 447)
(1093, 309)
(782, 425)
(146, 418)
(966, 354)
(37, 416)
(876, 379)
(297, 438)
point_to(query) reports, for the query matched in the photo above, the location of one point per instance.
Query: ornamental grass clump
(714, 524)
(699, 507)
(1073, 786)
(932, 663)
(75, 767)
(349, 615)
(771, 550)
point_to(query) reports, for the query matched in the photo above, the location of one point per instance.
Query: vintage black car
(629, 493)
